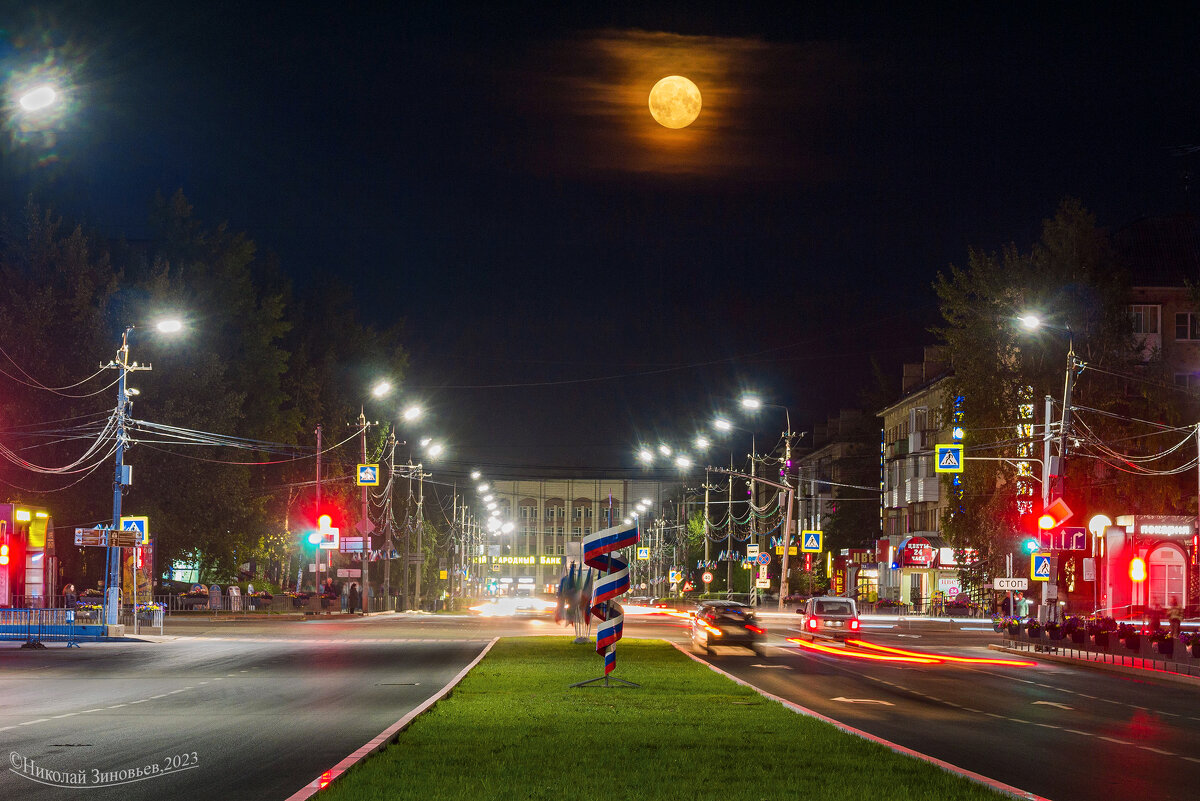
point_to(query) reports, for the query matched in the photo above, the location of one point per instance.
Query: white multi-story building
(551, 517)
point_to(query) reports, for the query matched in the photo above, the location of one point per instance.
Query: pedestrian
(1175, 617)
(1155, 613)
(353, 598)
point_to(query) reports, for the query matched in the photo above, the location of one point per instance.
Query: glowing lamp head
(1030, 322)
(1030, 546)
(314, 537)
(751, 403)
(645, 456)
(170, 326)
(39, 98)
(1047, 522)
(1137, 569)
(3, 554)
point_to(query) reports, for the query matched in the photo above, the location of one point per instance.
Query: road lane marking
(97, 709)
(862, 701)
(138, 702)
(1052, 703)
(67, 715)
(1046, 725)
(31, 722)
(1191, 759)
(117, 706)
(174, 691)
(1116, 740)
(156, 697)
(1077, 731)
(1156, 750)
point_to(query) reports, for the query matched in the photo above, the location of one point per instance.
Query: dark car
(726, 623)
(828, 616)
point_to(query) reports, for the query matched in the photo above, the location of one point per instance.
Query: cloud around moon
(767, 107)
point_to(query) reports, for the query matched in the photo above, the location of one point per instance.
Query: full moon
(675, 102)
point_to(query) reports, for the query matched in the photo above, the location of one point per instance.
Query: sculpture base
(606, 679)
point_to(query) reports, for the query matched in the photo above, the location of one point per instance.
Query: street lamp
(414, 413)
(381, 389)
(123, 473)
(645, 456)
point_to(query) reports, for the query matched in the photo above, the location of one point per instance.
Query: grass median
(514, 730)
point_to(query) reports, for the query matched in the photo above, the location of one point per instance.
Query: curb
(978, 778)
(380, 741)
(1124, 670)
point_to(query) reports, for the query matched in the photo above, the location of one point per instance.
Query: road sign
(752, 550)
(1089, 569)
(643, 553)
(368, 475)
(811, 541)
(706, 577)
(1073, 538)
(764, 558)
(91, 537)
(352, 544)
(763, 584)
(779, 550)
(676, 576)
(948, 458)
(1039, 566)
(1010, 583)
(139, 524)
(762, 571)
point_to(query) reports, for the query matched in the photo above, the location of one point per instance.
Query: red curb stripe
(377, 744)
(978, 778)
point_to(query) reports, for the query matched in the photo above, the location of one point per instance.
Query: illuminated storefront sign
(917, 552)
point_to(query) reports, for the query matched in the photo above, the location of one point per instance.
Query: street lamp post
(123, 474)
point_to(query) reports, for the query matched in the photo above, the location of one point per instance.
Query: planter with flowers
(150, 614)
(1013, 624)
(1073, 627)
(1102, 630)
(1191, 642)
(261, 599)
(1130, 636)
(1033, 629)
(1163, 642)
(299, 599)
(1055, 631)
(998, 623)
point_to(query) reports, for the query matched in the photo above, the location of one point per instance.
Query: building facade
(551, 517)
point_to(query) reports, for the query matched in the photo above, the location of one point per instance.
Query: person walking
(1175, 617)
(353, 598)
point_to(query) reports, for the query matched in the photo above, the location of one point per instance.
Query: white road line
(1077, 731)
(174, 691)
(97, 709)
(1114, 740)
(31, 722)
(1017, 720)
(1189, 759)
(116, 706)
(1156, 750)
(138, 702)
(154, 697)
(67, 715)
(6, 728)
(1046, 725)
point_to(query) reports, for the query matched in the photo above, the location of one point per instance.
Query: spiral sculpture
(599, 553)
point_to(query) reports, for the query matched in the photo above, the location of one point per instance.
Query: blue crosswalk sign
(811, 541)
(368, 475)
(949, 458)
(1040, 569)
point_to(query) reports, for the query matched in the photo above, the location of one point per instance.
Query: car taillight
(812, 622)
(756, 629)
(854, 625)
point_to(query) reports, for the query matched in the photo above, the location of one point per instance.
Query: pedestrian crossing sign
(643, 553)
(949, 459)
(139, 524)
(1039, 568)
(811, 541)
(368, 475)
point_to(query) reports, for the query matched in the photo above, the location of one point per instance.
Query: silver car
(830, 617)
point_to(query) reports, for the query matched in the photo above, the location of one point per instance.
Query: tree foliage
(1073, 279)
(256, 361)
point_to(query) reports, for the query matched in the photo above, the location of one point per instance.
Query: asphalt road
(233, 712)
(1059, 731)
(266, 707)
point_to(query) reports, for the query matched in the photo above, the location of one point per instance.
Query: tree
(1001, 373)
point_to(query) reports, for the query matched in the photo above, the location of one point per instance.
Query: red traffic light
(1137, 568)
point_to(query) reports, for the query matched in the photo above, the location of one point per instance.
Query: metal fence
(1146, 658)
(42, 625)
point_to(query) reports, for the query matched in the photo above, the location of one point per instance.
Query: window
(1145, 319)
(1190, 381)
(1187, 327)
(577, 531)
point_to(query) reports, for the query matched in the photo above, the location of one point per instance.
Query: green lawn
(514, 730)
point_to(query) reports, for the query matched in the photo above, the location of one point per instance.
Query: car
(716, 623)
(830, 617)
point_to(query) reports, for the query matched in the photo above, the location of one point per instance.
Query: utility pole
(365, 526)
(420, 531)
(707, 488)
(122, 478)
(787, 518)
(407, 537)
(388, 518)
(729, 535)
(317, 555)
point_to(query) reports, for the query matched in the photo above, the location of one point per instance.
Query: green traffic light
(1031, 545)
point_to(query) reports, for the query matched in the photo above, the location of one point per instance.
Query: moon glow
(675, 102)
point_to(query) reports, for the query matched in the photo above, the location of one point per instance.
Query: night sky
(574, 277)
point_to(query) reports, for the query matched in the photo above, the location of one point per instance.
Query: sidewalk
(1112, 662)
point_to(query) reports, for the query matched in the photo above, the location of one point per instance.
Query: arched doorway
(1166, 578)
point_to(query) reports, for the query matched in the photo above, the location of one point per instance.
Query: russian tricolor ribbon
(600, 553)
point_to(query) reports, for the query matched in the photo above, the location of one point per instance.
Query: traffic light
(326, 537)
(1054, 515)
(1031, 545)
(3, 555)
(1137, 568)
